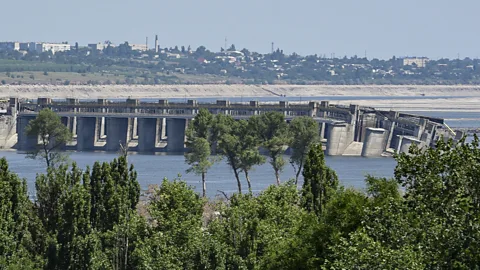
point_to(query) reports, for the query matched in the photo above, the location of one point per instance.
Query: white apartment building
(420, 62)
(46, 47)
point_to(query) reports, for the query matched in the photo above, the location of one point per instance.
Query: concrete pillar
(73, 125)
(132, 129)
(393, 115)
(406, 142)
(340, 136)
(368, 120)
(374, 143)
(176, 135)
(116, 133)
(100, 128)
(313, 109)
(161, 129)
(25, 142)
(147, 134)
(86, 136)
(322, 130)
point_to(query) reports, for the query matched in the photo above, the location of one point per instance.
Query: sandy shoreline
(205, 91)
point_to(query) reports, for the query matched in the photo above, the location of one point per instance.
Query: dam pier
(160, 126)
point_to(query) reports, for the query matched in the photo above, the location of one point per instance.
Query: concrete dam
(160, 126)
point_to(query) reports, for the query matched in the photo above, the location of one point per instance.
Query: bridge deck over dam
(160, 126)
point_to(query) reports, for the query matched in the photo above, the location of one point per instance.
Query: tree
(304, 131)
(273, 133)
(52, 134)
(442, 192)
(199, 159)
(198, 136)
(360, 251)
(320, 182)
(229, 145)
(176, 233)
(221, 125)
(21, 240)
(249, 150)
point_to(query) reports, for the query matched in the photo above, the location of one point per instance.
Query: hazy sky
(434, 28)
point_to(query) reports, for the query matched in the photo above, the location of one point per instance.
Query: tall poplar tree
(320, 181)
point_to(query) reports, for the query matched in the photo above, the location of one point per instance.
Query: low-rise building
(48, 47)
(100, 46)
(139, 47)
(420, 62)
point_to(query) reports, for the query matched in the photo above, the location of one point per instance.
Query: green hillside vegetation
(202, 66)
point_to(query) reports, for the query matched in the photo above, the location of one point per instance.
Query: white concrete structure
(374, 143)
(340, 136)
(420, 62)
(46, 47)
(100, 46)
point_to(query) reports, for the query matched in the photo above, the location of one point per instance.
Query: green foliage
(199, 159)
(254, 228)
(198, 142)
(441, 186)
(52, 135)
(88, 219)
(320, 182)
(84, 214)
(273, 133)
(175, 238)
(239, 145)
(304, 132)
(360, 251)
(20, 245)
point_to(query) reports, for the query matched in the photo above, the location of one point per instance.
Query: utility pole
(146, 43)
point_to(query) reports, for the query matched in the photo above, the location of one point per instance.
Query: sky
(379, 28)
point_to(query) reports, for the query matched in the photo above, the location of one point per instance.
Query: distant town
(126, 63)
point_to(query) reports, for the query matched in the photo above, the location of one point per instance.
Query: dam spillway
(160, 126)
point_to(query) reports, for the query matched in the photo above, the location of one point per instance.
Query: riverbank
(205, 91)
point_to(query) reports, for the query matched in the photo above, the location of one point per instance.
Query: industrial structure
(160, 126)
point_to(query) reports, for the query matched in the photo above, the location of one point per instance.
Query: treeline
(94, 219)
(240, 143)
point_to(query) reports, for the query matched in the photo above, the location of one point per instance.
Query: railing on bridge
(191, 107)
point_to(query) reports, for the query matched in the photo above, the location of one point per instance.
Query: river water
(153, 168)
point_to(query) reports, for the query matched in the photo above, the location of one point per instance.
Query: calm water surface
(153, 168)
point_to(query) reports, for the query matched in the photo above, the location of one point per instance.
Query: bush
(4, 82)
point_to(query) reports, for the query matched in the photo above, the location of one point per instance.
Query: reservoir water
(153, 168)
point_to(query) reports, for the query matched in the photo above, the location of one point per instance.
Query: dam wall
(160, 126)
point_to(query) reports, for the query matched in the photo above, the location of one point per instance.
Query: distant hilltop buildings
(34, 46)
(41, 47)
